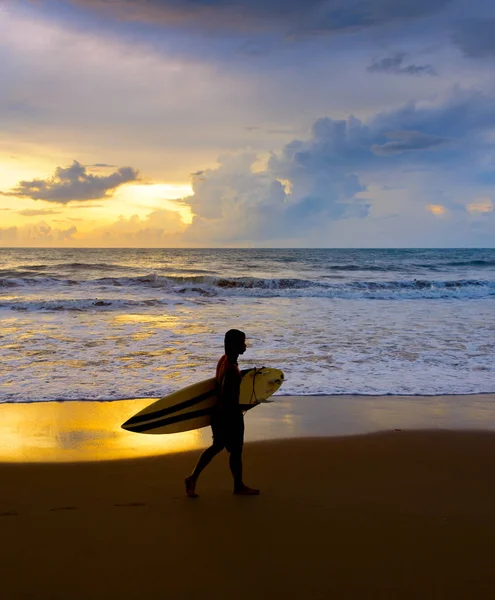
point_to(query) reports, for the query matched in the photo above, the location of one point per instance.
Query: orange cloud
(436, 209)
(482, 205)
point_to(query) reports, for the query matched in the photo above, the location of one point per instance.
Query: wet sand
(89, 430)
(389, 515)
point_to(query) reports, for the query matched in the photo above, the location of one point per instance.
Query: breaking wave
(155, 290)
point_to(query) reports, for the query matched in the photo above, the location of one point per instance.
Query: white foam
(337, 347)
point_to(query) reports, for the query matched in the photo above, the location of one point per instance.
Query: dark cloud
(405, 141)
(305, 16)
(103, 165)
(476, 38)
(395, 65)
(73, 183)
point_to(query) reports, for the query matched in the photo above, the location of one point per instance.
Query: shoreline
(73, 431)
(151, 399)
(384, 515)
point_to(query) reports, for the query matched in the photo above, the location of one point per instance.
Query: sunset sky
(286, 123)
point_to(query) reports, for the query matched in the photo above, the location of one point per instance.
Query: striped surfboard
(190, 408)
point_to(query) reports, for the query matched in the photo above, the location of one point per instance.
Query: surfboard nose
(277, 380)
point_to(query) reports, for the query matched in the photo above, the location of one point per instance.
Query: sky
(247, 123)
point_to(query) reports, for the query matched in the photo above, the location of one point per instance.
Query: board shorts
(228, 430)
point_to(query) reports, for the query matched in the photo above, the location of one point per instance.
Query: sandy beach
(394, 514)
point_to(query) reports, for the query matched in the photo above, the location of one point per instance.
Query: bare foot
(246, 491)
(191, 487)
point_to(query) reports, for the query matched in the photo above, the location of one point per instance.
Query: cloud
(300, 191)
(395, 64)
(481, 205)
(110, 82)
(436, 209)
(36, 213)
(458, 114)
(38, 234)
(73, 183)
(406, 141)
(476, 38)
(349, 172)
(294, 16)
(8, 235)
(160, 228)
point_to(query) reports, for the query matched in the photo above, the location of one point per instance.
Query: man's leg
(218, 432)
(203, 462)
(240, 488)
(235, 444)
(235, 462)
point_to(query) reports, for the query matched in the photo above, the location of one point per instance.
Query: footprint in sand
(131, 504)
(63, 508)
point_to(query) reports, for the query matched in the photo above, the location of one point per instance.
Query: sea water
(105, 324)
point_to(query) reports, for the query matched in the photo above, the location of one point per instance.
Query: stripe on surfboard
(175, 408)
(204, 412)
(169, 410)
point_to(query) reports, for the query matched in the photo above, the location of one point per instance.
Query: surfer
(227, 421)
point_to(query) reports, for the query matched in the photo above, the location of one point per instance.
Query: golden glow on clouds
(137, 214)
(436, 209)
(139, 197)
(482, 205)
(287, 185)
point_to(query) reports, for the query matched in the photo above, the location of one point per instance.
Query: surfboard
(190, 408)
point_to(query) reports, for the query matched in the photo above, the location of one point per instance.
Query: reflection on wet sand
(308, 416)
(89, 431)
(80, 431)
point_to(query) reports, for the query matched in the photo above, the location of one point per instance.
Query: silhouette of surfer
(227, 421)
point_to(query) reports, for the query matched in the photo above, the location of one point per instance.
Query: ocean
(107, 324)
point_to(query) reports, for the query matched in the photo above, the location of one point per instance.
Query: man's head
(235, 342)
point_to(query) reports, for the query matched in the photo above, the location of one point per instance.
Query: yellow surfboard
(190, 408)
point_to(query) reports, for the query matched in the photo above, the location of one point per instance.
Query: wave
(118, 267)
(77, 304)
(471, 263)
(10, 282)
(404, 266)
(120, 274)
(77, 266)
(374, 290)
(352, 268)
(177, 290)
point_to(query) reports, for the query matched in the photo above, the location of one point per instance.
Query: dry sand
(401, 514)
